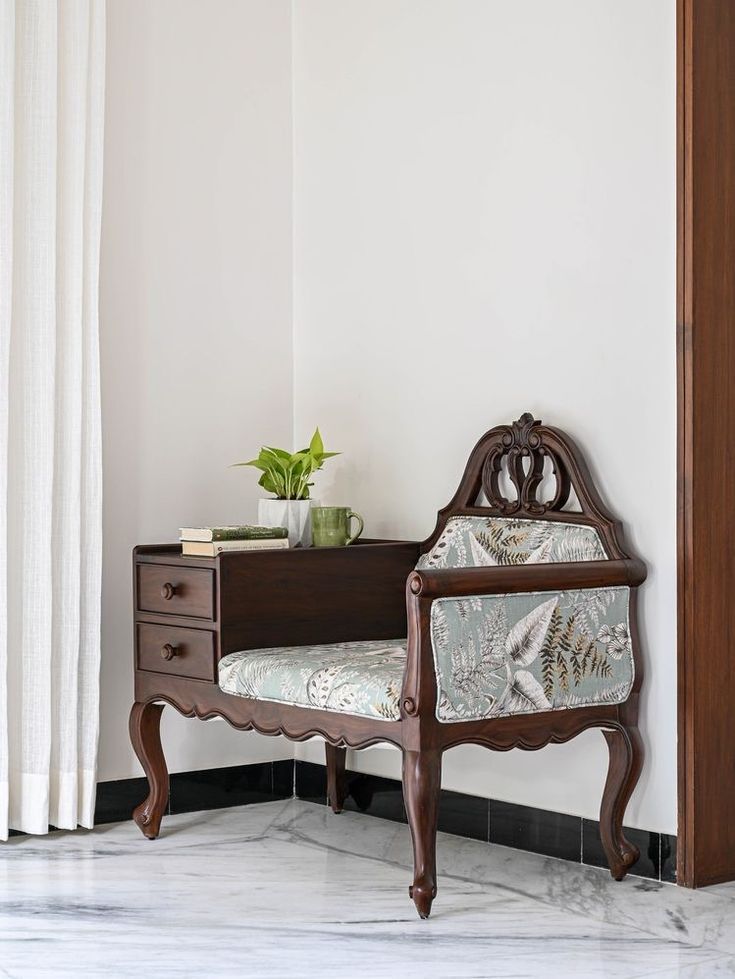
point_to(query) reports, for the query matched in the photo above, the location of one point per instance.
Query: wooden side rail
(526, 578)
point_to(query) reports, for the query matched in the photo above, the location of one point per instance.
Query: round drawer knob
(168, 591)
(168, 651)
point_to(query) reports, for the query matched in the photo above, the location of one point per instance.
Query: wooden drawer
(177, 651)
(176, 591)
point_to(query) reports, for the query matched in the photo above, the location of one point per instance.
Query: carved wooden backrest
(545, 470)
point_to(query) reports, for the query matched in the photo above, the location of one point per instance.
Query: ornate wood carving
(530, 732)
(192, 698)
(524, 448)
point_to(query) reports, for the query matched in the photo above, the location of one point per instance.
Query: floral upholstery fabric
(467, 542)
(361, 678)
(517, 654)
(521, 653)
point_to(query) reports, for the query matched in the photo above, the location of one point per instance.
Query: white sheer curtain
(51, 115)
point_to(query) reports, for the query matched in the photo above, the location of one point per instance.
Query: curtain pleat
(53, 499)
(7, 150)
(91, 444)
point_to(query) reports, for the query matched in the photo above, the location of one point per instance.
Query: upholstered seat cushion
(362, 678)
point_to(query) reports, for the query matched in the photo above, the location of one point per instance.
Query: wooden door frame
(706, 455)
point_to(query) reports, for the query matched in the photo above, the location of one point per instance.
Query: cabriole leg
(421, 786)
(336, 779)
(626, 758)
(145, 735)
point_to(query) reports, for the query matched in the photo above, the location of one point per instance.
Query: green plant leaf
(278, 481)
(316, 446)
(267, 483)
(300, 469)
(286, 474)
(260, 464)
(319, 460)
(276, 463)
(276, 458)
(280, 453)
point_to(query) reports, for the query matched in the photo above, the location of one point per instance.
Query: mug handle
(359, 519)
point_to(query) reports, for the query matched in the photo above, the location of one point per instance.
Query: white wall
(485, 224)
(195, 305)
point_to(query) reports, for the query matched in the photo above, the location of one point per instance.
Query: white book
(213, 548)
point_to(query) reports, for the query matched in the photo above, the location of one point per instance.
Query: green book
(244, 532)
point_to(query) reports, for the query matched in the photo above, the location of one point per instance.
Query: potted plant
(287, 476)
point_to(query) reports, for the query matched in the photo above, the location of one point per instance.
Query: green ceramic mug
(330, 526)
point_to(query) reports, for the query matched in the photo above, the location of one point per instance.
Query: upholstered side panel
(530, 652)
(485, 541)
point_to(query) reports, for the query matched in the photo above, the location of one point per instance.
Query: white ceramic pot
(294, 515)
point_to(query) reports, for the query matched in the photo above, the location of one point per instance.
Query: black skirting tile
(461, 814)
(116, 800)
(218, 788)
(365, 793)
(668, 858)
(648, 865)
(553, 834)
(283, 778)
(376, 796)
(310, 782)
(464, 815)
(214, 788)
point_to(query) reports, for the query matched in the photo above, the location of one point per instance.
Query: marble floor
(288, 889)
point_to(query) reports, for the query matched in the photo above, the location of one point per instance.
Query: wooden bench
(512, 625)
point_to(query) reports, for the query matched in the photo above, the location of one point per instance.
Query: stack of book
(211, 541)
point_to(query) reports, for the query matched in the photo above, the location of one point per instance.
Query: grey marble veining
(289, 889)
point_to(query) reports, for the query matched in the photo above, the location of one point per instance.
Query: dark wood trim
(335, 759)
(145, 736)
(527, 577)
(422, 779)
(706, 463)
(684, 434)
(195, 698)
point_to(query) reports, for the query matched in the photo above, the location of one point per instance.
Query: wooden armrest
(525, 578)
